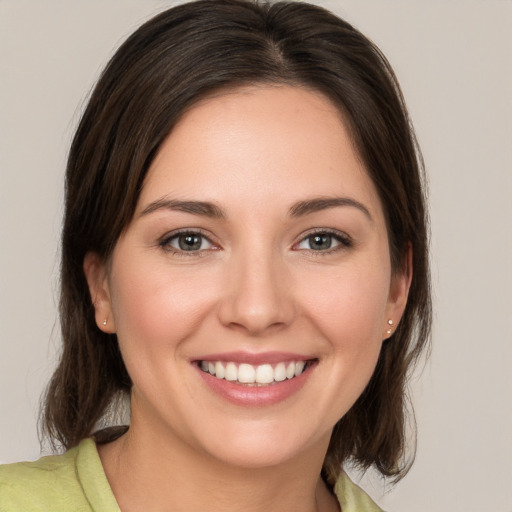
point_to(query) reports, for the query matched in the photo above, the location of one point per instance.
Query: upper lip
(254, 358)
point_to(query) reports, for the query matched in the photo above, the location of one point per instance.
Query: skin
(255, 285)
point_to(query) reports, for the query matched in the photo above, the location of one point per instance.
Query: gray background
(453, 59)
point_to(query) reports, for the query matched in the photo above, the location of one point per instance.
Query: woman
(244, 254)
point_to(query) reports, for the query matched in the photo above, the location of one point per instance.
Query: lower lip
(255, 396)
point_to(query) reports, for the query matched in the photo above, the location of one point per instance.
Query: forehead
(259, 144)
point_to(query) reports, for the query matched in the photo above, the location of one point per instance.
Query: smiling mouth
(255, 375)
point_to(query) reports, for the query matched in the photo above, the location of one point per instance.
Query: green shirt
(76, 482)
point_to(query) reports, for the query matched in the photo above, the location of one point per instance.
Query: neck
(158, 473)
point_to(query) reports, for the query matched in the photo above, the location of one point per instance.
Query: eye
(187, 241)
(324, 241)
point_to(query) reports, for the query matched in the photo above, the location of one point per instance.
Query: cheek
(345, 308)
(348, 307)
(153, 305)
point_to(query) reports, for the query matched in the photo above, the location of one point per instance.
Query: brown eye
(320, 242)
(187, 242)
(190, 242)
(324, 241)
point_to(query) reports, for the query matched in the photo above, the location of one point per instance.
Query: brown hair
(163, 69)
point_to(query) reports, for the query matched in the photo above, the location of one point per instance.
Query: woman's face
(252, 290)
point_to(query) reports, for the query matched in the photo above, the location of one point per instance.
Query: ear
(398, 293)
(95, 270)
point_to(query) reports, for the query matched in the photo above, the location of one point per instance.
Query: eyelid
(345, 240)
(164, 241)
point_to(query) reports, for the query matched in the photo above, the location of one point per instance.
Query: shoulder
(31, 485)
(49, 483)
(55, 483)
(352, 498)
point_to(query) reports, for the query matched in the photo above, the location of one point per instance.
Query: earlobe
(95, 271)
(398, 294)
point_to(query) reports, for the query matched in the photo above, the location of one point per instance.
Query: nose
(258, 295)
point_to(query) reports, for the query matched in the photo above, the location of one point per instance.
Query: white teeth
(231, 372)
(280, 372)
(219, 370)
(299, 368)
(246, 374)
(262, 374)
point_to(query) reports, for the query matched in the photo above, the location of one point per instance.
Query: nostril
(258, 297)
(254, 320)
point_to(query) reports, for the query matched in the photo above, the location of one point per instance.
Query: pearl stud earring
(390, 330)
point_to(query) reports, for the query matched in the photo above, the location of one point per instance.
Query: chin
(264, 446)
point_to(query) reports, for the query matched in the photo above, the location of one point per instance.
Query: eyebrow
(323, 203)
(211, 210)
(202, 208)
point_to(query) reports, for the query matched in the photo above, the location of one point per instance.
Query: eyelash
(344, 242)
(165, 243)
